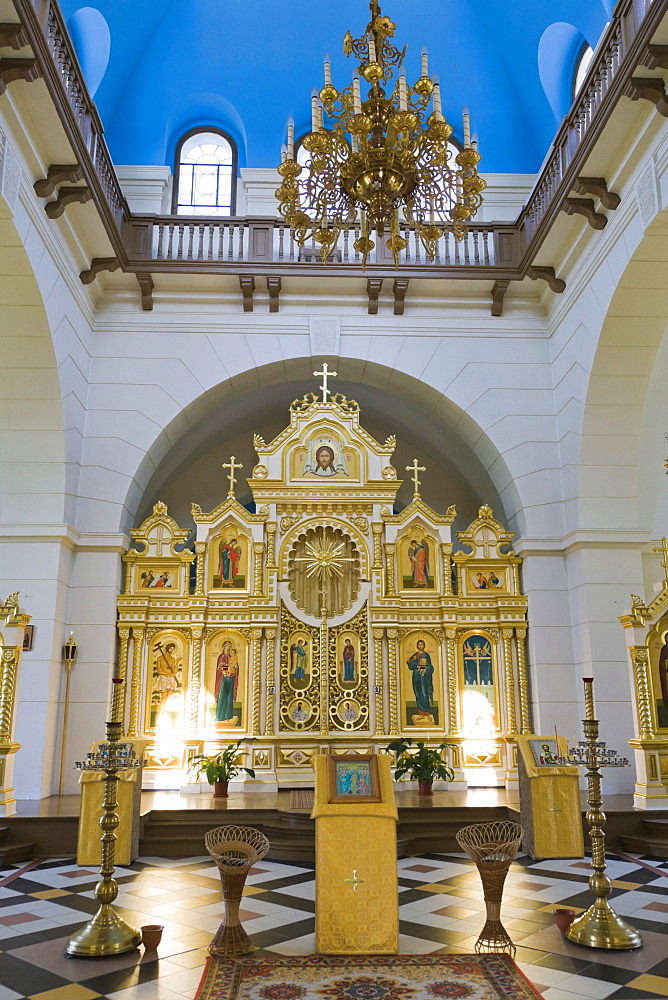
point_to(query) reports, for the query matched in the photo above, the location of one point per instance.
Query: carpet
(365, 977)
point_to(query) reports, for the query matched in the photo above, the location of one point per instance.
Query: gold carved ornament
(290, 695)
(324, 558)
(357, 696)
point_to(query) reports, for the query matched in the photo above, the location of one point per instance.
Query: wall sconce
(70, 650)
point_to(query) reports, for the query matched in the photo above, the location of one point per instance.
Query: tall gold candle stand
(599, 926)
(107, 933)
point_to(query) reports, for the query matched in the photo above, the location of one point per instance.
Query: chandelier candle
(382, 156)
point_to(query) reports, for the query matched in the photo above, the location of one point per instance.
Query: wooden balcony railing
(146, 243)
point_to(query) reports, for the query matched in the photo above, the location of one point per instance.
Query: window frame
(201, 130)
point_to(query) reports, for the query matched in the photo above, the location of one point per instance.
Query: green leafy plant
(222, 766)
(420, 762)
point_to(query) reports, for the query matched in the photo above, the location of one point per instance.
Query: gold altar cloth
(128, 809)
(549, 805)
(357, 901)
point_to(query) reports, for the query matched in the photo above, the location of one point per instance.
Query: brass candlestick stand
(599, 926)
(107, 933)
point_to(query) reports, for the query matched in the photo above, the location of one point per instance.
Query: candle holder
(107, 933)
(599, 926)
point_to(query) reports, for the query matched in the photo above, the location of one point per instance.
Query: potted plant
(422, 763)
(221, 767)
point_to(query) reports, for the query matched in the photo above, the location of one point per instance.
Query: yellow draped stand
(549, 804)
(129, 802)
(357, 892)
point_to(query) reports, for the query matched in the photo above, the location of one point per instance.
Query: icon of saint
(167, 666)
(299, 714)
(547, 756)
(148, 578)
(298, 660)
(349, 713)
(418, 554)
(423, 678)
(663, 672)
(230, 555)
(348, 654)
(325, 460)
(227, 680)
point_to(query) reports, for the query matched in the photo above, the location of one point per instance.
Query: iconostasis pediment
(158, 565)
(490, 568)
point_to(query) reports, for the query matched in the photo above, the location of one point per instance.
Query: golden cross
(325, 375)
(232, 465)
(355, 880)
(664, 551)
(159, 539)
(415, 468)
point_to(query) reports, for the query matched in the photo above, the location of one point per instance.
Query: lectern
(356, 902)
(549, 799)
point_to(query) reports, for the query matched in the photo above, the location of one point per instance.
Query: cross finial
(663, 549)
(325, 375)
(415, 468)
(232, 465)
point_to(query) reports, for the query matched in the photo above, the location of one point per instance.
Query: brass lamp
(384, 153)
(70, 650)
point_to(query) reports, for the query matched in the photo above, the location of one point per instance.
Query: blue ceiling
(167, 66)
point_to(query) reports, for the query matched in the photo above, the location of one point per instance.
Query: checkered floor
(441, 909)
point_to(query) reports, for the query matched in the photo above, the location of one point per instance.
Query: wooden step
(651, 847)
(657, 828)
(11, 853)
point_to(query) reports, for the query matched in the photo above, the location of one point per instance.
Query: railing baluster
(161, 233)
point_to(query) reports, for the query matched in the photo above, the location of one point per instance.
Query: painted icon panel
(229, 559)
(421, 681)
(325, 456)
(300, 660)
(417, 561)
(478, 692)
(156, 577)
(166, 690)
(227, 670)
(545, 752)
(658, 658)
(348, 660)
(488, 578)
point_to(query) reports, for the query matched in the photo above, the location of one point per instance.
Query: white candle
(321, 122)
(314, 110)
(284, 153)
(403, 97)
(437, 98)
(328, 71)
(425, 61)
(467, 127)
(474, 141)
(357, 98)
(291, 138)
(372, 49)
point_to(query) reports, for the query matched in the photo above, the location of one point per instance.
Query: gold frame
(493, 642)
(337, 797)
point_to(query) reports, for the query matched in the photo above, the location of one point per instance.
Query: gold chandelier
(381, 156)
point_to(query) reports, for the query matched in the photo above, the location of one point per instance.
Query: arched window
(205, 174)
(581, 67)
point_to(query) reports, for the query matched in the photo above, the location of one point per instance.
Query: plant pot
(424, 787)
(151, 935)
(564, 918)
(220, 789)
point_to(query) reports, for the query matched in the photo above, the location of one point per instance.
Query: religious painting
(229, 560)
(353, 778)
(28, 633)
(300, 657)
(157, 577)
(420, 681)
(348, 712)
(417, 560)
(485, 579)
(166, 690)
(300, 711)
(658, 661)
(479, 711)
(325, 457)
(227, 670)
(545, 753)
(348, 660)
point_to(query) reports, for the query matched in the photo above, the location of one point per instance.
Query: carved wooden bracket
(274, 288)
(12, 68)
(146, 288)
(649, 88)
(598, 187)
(66, 195)
(547, 274)
(499, 289)
(373, 287)
(399, 289)
(585, 206)
(655, 57)
(96, 265)
(13, 36)
(58, 173)
(247, 284)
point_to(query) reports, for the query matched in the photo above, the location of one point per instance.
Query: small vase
(563, 919)
(424, 787)
(151, 935)
(220, 789)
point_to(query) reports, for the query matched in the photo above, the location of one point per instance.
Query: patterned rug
(365, 977)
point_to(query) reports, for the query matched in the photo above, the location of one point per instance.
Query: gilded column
(257, 679)
(258, 589)
(270, 528)
(509, 679)
(124, 636)
(271, 682)
(392, 671)
(391, 589)
(453, 686)
(379, 713)
(195, 677)
(523, 680)
(10, 659)
(200, 549)
(377, 546)
(324, 673)
(135, 689)
(446, 552)
(639, 659)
